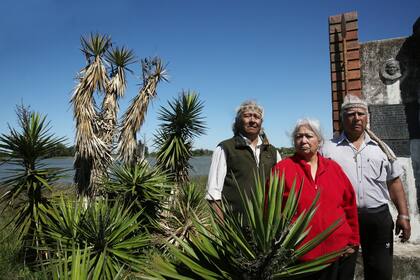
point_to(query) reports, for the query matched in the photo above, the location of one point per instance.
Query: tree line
(62, 150)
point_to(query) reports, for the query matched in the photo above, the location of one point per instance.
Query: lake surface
(200, 166)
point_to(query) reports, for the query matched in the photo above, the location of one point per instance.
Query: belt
(383, 207)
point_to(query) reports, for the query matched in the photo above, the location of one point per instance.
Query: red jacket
(337, 200)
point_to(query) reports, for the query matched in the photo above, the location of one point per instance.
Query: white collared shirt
(367, 168)
(218, 169)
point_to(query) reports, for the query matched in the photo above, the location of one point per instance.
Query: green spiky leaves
(267, 246)
(110, 233)
(143, 187)
(95, 45)
(182, 121)
(29, 177)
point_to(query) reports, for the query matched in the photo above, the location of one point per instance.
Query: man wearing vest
(239, 158)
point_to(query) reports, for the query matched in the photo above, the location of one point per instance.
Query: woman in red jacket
(337, 199)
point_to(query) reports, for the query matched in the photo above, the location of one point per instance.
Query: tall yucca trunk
(95, 131)
(91, 151)
(115, 88)
(133, 120)
(153, 73)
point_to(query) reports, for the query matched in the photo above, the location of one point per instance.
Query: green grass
(11, 265)
(11, 257)
(200, 181)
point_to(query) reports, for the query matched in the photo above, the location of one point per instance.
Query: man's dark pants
(376, 238)
(341, 269)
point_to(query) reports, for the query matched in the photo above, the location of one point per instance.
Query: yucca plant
(97, 129)
(153, 73)
(266, 246)
(119, 59)
(29, 178)
(182, 121)
(114, 234)
(63, 222)
(110, 231)
(188, 207)
(92, 155)
(144, 187)
(72, 264)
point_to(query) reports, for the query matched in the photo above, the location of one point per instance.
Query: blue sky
(275, 52)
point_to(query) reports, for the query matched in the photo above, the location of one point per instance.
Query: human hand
(403, 228)
(350, 249)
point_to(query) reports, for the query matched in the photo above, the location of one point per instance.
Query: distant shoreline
(200, 166)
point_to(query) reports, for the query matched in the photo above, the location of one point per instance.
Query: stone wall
(391, 113)
(373, 56)
(390, 81)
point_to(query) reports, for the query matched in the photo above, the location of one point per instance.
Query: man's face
(251, 123)
(355, 121)
(391, 68)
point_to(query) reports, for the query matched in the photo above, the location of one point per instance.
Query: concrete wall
(380, 91)
(373, 55)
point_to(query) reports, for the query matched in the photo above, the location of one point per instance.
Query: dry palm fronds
(91, 152)
(153, 73)
(119, 59)
(95, 132)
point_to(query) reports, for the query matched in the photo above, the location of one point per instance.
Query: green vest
(241, 166)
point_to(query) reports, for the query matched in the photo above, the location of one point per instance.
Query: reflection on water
(200, 166)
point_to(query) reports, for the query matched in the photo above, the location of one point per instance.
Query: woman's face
(306, 142)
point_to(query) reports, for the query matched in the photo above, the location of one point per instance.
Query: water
(200, 166)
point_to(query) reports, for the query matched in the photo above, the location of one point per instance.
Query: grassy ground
(200, 180)
(11, 266)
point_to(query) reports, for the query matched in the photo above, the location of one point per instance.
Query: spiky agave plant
(111, 232)
(92, 156)
(63, 221)
(182, 121)
(142, 186)
(267, 248)
(188, 207)
(29, 177)
(75, 264)
(69, 264)
(153, 73)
